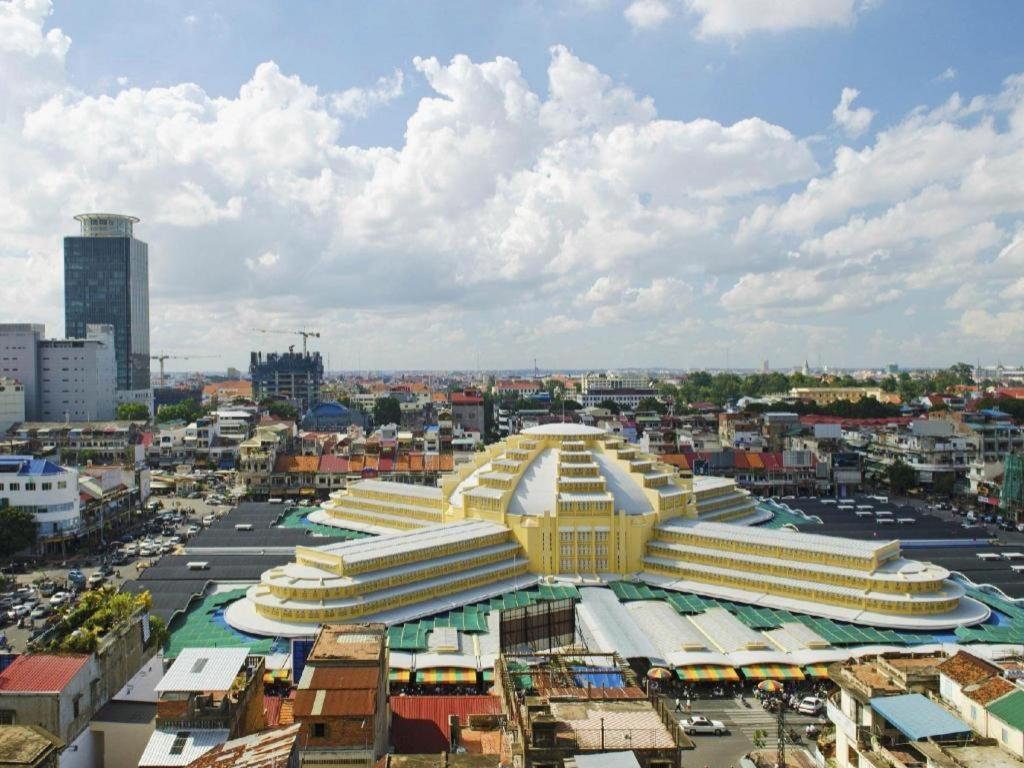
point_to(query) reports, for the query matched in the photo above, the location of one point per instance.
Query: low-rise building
(207, 696)
(930, 447)
(341, 704)
(29, 746)
(468, 411)
(47, 490)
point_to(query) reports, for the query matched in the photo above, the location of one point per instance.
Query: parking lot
(118, 563)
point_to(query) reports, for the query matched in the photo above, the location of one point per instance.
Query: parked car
(193, 530)
(208, 520)
(77, 578)
(810, 705)
(59, 598)
(47, 588)
(41, 611)
(20, 610)
(699, 724)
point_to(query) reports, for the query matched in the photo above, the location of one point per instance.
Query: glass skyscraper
(106, 280)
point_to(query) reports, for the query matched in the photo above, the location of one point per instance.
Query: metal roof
(41, 672)
(918, 717)
(1010, 709)
(607, 760)
(614, 628)
(177, 748)
(203, 669)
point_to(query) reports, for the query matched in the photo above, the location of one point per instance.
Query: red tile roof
(992, 689)
(41, 672)
(330, 464)
(315, 703)
(419, 724)
(966, 669)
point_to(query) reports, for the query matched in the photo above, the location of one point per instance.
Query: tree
(944, 483)
(285, 411)
(387, 410)
(648, 404)
(610, 405)
(901, 477)
(17, 530)
(132, 412)
(186, 410)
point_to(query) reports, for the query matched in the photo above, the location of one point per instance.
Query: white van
(208, 521)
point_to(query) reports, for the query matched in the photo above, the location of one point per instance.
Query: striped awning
(816, 670)
(772, 672)
(398, 675)
(446, 675)
(488, 675)
(698, 673)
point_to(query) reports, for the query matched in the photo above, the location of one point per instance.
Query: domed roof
(564, 430)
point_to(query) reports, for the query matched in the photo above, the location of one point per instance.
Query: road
(57, 570)
(742, 722)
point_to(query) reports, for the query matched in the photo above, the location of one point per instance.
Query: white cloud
(853, 121)
(358, 102)
(647, 14)
(949, 73)
(735, 18)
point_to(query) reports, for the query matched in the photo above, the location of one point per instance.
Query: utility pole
(781, 734)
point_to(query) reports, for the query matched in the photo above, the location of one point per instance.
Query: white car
(698, 724)
(810, 705)
(59, 598)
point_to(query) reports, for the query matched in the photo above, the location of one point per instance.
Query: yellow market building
(572, 503)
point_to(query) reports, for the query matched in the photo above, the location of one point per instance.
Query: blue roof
(27, 465)
(328, 407)
(918, 717)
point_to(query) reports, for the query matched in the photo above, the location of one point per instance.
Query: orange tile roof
(992, 689)
(297, 463)
(966, 669)
(240, 388)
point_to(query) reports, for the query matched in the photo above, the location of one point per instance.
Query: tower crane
(161, 358)
(303, 333)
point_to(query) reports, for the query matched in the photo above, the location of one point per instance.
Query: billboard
(545, 625)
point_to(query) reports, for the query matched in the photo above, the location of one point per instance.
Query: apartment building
(48, 490)
(12, 403)
(931, 447)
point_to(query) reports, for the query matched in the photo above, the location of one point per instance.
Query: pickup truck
(698, 724)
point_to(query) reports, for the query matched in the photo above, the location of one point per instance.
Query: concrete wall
(119, 744)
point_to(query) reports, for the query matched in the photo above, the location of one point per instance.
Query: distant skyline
(591, 183)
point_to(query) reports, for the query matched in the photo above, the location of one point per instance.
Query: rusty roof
(26, 744)
(268, 749)
(966, 669)
(340, 678)
(321, 703)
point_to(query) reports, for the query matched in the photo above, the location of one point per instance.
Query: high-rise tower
(106, 280)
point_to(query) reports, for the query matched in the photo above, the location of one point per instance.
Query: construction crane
(304, 334)
(161, 358)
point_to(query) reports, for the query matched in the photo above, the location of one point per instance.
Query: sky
(584, 183)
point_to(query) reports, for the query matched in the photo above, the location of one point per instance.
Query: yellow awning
(698, 673)
(772, 672)
(816, 670)
(398, 675)
(450, 675)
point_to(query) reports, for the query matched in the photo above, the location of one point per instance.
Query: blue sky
(592, 183)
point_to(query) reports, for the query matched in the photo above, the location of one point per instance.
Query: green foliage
(158, 631)
(187, 411)
(651, 405)
(132, 412)
(1009, 405)
(944, 483)
(760, 738)
(865, 408)
(97, 612)
(285, 411)
(387, 410)
(17, 530)
(610, 405)
(901, 477)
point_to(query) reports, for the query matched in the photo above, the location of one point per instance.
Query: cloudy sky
(585, 182)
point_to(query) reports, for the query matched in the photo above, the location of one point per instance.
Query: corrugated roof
(340, 678)
(296, 463)
(180, 747)
(918, 717)
(1010, 709)
(203, 669)
(41, 672)
(322, 703)
(269, 749)
(419, 724)
(330, 464)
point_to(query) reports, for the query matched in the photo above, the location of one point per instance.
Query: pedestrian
(679, 707)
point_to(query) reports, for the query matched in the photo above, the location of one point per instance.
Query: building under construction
(290, 377)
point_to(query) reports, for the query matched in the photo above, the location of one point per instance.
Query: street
(742, 722)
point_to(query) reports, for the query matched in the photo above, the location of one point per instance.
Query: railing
(601, 739)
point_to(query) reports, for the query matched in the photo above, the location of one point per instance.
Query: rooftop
(260, 750)
(348, 642)
(1010, 709)
(966, 669)
(180, 748)
(918, 717)
(203, 669)
(41, 672)
(25, 744)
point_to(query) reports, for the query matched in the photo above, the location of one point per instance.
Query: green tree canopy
(610, 405)
(901, 477)
(285, 411)
(132, 412)
(651, 404)
(186, 410)
(387, 410)
(17, 530)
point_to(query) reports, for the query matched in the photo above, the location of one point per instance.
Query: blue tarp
(918, 717)
(598, 677)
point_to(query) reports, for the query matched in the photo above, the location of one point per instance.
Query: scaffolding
(1011, 499)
